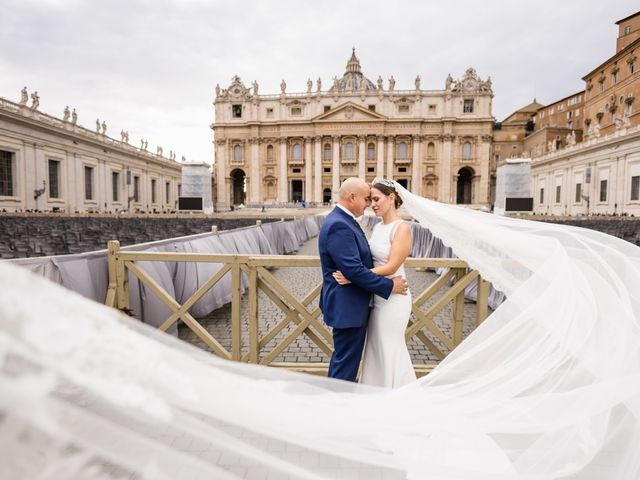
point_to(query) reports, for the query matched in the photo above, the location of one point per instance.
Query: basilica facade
(290, 147)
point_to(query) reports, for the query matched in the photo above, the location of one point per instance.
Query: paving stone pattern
(300, 281)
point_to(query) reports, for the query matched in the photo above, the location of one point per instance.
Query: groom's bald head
(354, 195)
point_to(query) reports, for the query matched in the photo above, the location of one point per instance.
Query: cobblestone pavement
(300, 281)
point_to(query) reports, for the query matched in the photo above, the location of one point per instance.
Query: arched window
(327, 151)
(269, 153)
(371, 152)
(297, 151)
(466, 150)
(431, 150)
(402, 150)
(237, 153)
(348, 150)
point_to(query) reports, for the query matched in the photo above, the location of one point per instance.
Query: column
(317, 170)
(445, 176)
(283, 181)
(380, 157)
(256, 181)
(308, 167)
(484, 156)
(335, 168)
(221, 195)
(416, 165)
(390, 156)
(361, 156)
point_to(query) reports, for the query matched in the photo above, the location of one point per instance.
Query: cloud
(151, 67)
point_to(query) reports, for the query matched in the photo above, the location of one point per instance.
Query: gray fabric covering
(87, 273)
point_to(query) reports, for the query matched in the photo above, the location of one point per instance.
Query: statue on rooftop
(74, 117)
(24, 96)
(449, 82)
(35, 100)
(418, 82)
(66, 114)
(392, 83)
(283, 86)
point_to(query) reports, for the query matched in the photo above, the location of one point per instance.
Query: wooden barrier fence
(305, 319)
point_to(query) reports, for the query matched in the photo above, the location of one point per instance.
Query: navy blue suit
(343, 246)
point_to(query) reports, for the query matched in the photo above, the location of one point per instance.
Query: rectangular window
(432, 108)
(296, 170)
(627, 30)
(88, 183)
(115, 186)
(403, 108)
(542, 195)
(603, 190)
(327, 169)
(153, 190)
(326, 108)
(269, 112)
(296, 111)
(6, 173)
(136, 188)
(578, 192)
(601, 85)
(402, 169)
(468, 106)
(167, 191)
(372, 108)
(236, 111)
(614, 78)
(558, 191)
(370, 169)
(635, 187)
(54, 179)
(179, 190)
(632, 67)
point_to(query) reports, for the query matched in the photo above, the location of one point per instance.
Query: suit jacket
(343, 246)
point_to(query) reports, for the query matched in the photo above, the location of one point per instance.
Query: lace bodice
(380, 244)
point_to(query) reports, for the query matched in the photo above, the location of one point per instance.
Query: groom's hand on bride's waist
(399, 285)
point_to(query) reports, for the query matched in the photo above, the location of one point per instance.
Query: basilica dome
(353, 80)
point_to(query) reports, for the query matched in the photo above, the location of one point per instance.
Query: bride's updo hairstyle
(387, 189)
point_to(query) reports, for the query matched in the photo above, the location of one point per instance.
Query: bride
(386, 360)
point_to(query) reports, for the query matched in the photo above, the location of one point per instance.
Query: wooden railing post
(236, 325)
(113, 247)
(458, 311)
(482, 301)
(122, 280)
(253, 315)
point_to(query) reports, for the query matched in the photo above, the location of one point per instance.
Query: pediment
(349, 112)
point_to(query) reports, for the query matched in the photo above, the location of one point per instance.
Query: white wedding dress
(386, 360)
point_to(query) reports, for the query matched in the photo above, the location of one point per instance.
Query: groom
(343, 246)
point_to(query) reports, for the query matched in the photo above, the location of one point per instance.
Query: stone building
(509, 135)
(555, 126)
(287, 147)
(601, 173)
(613, 86)
(53, 164)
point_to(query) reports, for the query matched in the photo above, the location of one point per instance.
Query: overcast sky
(150, 67)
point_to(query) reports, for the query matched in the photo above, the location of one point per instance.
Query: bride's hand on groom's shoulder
(340, 278)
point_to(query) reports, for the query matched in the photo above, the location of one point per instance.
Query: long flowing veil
(547, 387)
